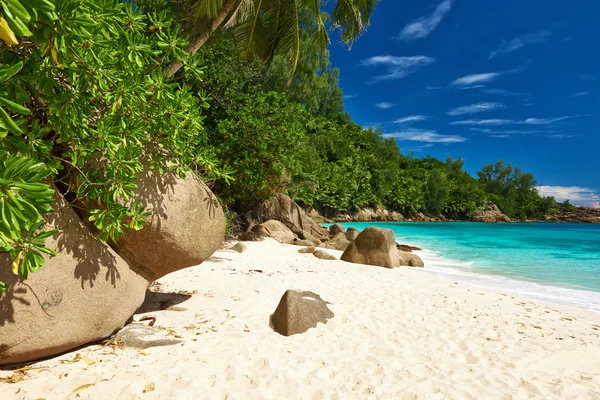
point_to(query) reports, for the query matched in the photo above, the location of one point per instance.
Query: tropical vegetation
(92, 92)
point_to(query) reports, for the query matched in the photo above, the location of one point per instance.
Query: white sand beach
(396, 334)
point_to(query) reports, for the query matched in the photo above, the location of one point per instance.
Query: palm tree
(264, 28)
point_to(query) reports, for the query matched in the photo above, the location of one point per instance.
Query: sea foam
(459, 271)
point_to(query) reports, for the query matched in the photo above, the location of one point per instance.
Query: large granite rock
(489, 212)
(186, 227)
(410, 259)
(276, 230)
(373, 246)
(298, 311)
(83, 294)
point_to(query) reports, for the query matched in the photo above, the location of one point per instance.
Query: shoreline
(580, 298)
(544, 292)
(397, 333)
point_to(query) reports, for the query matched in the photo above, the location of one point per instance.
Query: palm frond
(243, 11)
(352, 17)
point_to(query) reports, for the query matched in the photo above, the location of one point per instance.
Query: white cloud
(521, 41)
(350, 96)
(384, 105)
(500, 136)
(511, 131)
(475, 78)
(581, 94)
(484, 122)
(587, 77)
(471, 87)
(546, 121)
(398, 67)
(422, 27)
(475, 108)
(411, 118)
(503, 92)
(528, 121)
(418, 135)
(575, 194)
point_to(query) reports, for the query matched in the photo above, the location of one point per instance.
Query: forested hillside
(278, 131)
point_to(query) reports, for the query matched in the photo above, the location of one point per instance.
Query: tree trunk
(202, 37)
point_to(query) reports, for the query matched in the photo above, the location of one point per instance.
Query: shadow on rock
(156, 301)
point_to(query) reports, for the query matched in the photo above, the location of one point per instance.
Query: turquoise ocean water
(554, 262)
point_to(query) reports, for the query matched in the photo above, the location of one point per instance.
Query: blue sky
(485, 80)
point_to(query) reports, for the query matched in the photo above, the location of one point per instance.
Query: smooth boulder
(82, 295)
(276, 230)
(186, 227)
(298, 311)
(410, 259)
(373, 246)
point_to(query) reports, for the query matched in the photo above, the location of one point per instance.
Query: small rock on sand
(298, 311)
(323, 255)
(239, 247)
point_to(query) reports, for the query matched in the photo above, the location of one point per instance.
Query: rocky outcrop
(82, 295)
(578, 214)
(186, 227)
(410, 259)
(489, 212)
(370, 215)
(282, 208)
(373, 246)
(299, 311)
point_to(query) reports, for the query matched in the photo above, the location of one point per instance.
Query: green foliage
(513, 191)
(258, 141)
(436, 192)
(314, 84)
(84, 100)
(23, 200)
(566, 206)
(264, 28)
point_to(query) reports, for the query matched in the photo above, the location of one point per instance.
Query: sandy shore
(396, 334)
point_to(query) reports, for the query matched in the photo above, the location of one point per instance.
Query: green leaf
(14, 107)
